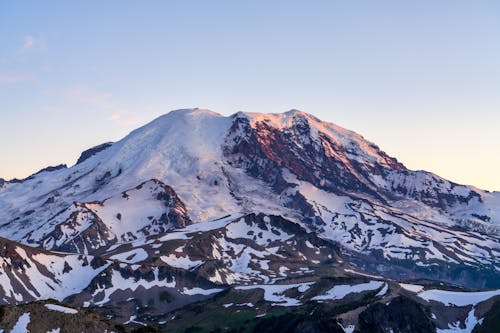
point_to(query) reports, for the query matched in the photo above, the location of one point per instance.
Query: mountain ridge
(195, 205)
(251, 115)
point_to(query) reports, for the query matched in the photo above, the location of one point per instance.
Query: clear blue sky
(419, 78)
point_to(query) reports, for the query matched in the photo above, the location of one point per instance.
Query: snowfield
(451, 298)
(341, 291)
(274, 293)
(60, 308)
(457, 298)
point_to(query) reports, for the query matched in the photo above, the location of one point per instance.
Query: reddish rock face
(8, 251)
(264, 150)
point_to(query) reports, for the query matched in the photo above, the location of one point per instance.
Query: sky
(421, 79)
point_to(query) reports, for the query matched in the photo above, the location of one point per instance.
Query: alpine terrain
(197, 222)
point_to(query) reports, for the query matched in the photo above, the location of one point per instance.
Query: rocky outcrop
(334, 160)
(87, 227)
(52, 168)
(53, 316)
(82, 232)
(92, 151)
(30, 274)
(46, 169)
(491, 321)
(400, 315)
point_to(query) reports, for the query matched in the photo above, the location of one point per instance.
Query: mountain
(196, 209)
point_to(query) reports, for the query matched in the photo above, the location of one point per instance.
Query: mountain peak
(297, 112)
(282, 119)
(192, 116)
(190, 112)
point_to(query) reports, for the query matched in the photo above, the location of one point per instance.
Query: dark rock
(92, 151)
(401, 315)
(47, 169)
(67, 268)
(491, 321)
(51, 169)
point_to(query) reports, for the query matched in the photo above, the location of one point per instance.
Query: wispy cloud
(14, 78)
(85, 94)
(102, 101)
(29, 42)
(29, 45)
(32, 43)
(114, 117)
(124, 121)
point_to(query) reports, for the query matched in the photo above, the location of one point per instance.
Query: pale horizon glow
(421, 80)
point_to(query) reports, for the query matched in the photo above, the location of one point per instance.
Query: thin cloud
(29, 45)
(14, 78)
(103, 101)
(29, 42)
(32, 43)
(85, 94)
(120, 120)
(114, 117)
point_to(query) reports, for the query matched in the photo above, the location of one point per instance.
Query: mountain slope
(53, 316)
(150, 208)
(329, 179)
(262, 265)
(194, 205)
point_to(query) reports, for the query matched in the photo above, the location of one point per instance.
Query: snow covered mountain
(206, 166)
(194, 202)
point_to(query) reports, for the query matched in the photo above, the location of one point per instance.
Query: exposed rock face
(491, 320)
(7, 251)
(86, 227)
(243, 150)
(92, 151)
(53, 316)
(400, 315)
(52, 168)
(82, 231)
(301, 323)
(176, 216)
(47, 169)
(263, 154)
(264, 150)
(287, 151)
(341, 163)
(164, 273)
(29, 274)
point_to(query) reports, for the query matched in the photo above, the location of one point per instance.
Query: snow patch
(274, 293)
(415, 288)
(22, 323)
(383, 291)
(456, 297)
(200, 291)
(340, 291)
(60, 308)
(180, 262)
(470, 322)
(132, 256)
